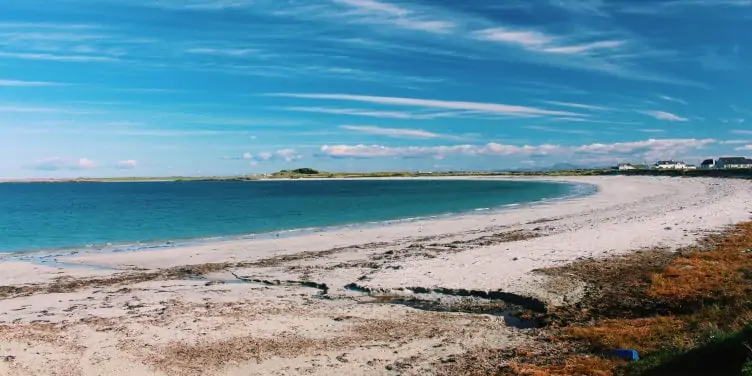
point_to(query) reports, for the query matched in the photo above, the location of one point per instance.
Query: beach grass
(700, 309)
(686, 313)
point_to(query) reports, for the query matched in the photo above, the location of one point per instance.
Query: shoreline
(402, 299)
(578, 190)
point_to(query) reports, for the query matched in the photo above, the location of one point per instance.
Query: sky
(225, 87)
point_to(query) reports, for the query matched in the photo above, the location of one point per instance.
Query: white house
(669, 165)
(626, 166)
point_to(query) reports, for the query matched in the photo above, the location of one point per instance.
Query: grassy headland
(686, 313)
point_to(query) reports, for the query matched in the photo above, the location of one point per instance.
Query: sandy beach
(341, 301)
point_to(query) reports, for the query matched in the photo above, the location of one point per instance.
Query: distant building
(626, 166)
(733, 162)
(707, 164)
(669, 165)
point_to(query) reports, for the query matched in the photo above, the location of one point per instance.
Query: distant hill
(563, 167)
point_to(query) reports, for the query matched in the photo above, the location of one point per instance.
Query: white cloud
(211, 5)
(495, 108)
(741, 131)
(265, 155)
(355, 112)
(578, 105)
(64, 58)
(557, 130)
(127, 165)
(16, 83)
(375, 6)
(737, 121)
(582, 120)
(582, 6)
(379, 12)
(744, 148)
(649, 149)
(222, 52)
(44, 25)
(663, 115)
(86, 163)
(289, 155)
(581, 48)
(672, 99)
(541, 42)
(527, 39)
(417, 115)
(13, 108)
(57, 163)
(398, 132)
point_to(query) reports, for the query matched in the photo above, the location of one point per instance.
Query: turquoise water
(46, 216)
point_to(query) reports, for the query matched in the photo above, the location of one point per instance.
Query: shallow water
(46, 216)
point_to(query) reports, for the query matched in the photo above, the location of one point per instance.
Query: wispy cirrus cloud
(733, 121)
(663, 115)
(382, 114)
(594, 121)
(579, 105)
(557, 129)
(673, 6)
(399, 132)
(651, 130)
(494, 108)
(61, 58)
(672, 99)
(597, 7)
(27, 109)
(46, 25)
(205, 5)
(540, 42)
(356, 112)
(233, 52)
(372, 11)
(18, 83)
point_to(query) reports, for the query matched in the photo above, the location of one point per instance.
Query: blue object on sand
(626, 354)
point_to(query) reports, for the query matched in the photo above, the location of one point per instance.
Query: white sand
(136, 328)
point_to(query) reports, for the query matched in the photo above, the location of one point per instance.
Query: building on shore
(733, 162)
(708, 164)
(669, 165)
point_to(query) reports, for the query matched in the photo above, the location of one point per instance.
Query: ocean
(53, 216)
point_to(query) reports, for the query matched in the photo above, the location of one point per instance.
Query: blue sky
(216, 87)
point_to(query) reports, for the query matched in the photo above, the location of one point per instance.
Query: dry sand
(186, 311)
